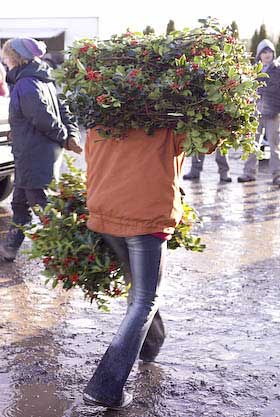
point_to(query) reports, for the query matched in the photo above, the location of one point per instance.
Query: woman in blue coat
(40, 128)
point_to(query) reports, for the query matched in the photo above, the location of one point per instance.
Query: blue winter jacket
(269, 102)
(40, 124)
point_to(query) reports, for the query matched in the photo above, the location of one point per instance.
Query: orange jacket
(133, 183)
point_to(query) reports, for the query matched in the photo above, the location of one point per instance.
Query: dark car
(7, 165)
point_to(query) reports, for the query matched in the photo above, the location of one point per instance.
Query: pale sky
(117, 15)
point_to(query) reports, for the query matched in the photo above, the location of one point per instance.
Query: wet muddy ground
(221, 308)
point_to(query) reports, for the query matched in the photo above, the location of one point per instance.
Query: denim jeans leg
(153, 340)
(146, 260)
(156, 334)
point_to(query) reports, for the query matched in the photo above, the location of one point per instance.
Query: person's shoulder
(276, 64)
(275, 72)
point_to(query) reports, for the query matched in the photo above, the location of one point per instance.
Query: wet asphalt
(221, 310)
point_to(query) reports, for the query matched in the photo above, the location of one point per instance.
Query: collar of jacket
(34, 69)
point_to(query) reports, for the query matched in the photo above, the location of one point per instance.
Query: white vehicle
(7, 165)
(57, 32)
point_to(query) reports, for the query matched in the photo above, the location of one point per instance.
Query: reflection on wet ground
(221, 309)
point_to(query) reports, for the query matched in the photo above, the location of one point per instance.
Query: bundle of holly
(199, 82)
(77, 257)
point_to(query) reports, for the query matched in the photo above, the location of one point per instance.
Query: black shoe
(225, 178)
(245, 178)
(191, 176)
(125, 402)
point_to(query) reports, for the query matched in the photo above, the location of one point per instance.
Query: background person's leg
(36, 196)
(223, 166)
(196, 167)
(250, 169)
(23, 200)
(21, 215)
(272, 131)
(21, 204)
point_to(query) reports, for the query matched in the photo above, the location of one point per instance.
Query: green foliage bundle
(199, 82)
(75, 256)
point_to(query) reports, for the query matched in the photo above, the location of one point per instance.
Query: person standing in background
(268, 107)
(197, 167)
(41, 127)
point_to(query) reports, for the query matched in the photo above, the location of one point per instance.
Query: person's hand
(213, 146)
(72, 144)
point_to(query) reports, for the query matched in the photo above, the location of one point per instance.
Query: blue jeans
(146, 256)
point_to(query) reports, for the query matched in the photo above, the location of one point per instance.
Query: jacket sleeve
(68, 119)
(40, 108)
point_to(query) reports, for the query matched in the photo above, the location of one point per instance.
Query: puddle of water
(34, 400)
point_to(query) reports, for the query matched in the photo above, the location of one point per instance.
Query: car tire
(6, 186)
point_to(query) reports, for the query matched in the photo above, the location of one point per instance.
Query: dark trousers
(22, 203)
(221, 160)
